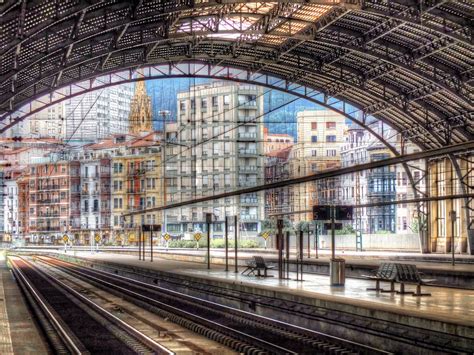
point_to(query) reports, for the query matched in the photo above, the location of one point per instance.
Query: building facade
(318, 148)
(98, 114)
(222, 122)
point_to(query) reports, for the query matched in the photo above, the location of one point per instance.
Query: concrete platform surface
(446, 305)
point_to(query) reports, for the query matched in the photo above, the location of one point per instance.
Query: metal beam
(452, 149)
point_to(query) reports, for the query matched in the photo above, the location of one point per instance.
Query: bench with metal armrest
(257, 263)
(386, 272)
(408, 274)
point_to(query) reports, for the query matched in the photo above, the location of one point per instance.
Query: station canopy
(407, 63)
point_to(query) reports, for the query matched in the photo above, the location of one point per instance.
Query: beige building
(273, 142)
(219, 144)
(318, 148)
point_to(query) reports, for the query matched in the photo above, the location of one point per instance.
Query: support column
(433, 216)
(448, 205)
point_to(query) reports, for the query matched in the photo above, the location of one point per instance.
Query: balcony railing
(247, 151)
(248, 217)
(247, 135)
(248, 119)
(247, 183)
(248, 168)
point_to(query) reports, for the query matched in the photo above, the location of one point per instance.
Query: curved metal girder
(303, 70)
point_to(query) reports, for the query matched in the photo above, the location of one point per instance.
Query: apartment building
(222, 122)
(54, 200)
(136, 183)
(98, 114)
(369, 186)
(318, 148)
(276, 141)
(11, 222)
(277, 169)
(95, 198)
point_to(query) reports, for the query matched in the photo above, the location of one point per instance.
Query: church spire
(140, 110)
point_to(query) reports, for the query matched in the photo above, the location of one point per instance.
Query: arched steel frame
(406, 63)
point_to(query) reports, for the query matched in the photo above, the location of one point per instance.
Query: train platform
(433, 266)
(449, 305)
(18, 332)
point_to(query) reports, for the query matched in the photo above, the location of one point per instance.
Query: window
(314, 126)
(331, 138)
(226, 100)
(182, 106)
(331, 152)
(203, 103)
(330, 125)
(314, 152)
(214, 101)
(314, 139)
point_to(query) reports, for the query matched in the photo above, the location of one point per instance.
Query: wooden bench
(408, 274)
(386, 272)
(257, 263)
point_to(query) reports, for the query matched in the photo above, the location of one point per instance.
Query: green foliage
(215, 243)
(270, 226)
(347, 229)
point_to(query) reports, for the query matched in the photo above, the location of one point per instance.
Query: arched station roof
(407, 63)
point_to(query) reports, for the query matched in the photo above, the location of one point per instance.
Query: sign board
(321, 213)
(208, 217)
(97, 238)
(344, 213)
(197, 236)
(265, 235)
(166, 236)
(131, 237)
(151, 227)
(337, 226)
(65, 238)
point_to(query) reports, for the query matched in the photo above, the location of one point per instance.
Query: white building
(98, 114)
(224, 122)
(10, 210)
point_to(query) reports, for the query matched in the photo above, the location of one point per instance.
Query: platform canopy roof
(406, 62)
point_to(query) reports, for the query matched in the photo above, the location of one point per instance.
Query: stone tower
(140, 110)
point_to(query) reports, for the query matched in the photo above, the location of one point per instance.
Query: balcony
(247, 183)
(248, 168)
(248, 217)
(249, 201)
(245, 152)
(248, 136)
(247, 104)
(247, 120)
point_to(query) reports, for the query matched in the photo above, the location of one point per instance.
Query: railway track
(240, 330)
(72, 323)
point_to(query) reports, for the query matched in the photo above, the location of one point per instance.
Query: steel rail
(433, 153)
(177, 311)
(181, 296)
(72, 344)
(144, 339)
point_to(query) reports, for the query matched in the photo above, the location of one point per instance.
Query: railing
(247, 135)
(248, 217)
(247, 151)
(248, 168)
(247, 183)
(250, 201)
(247, 119)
